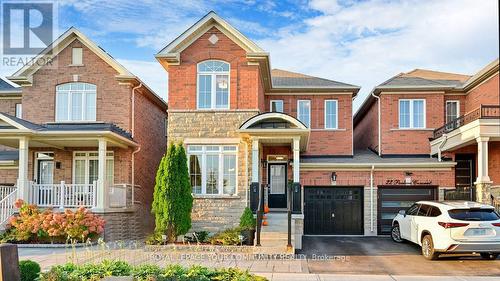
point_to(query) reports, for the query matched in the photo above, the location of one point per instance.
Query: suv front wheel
(428, 250)
(396, 233)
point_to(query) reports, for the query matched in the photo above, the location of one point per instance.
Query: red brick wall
(321, 141)
(494, 161)
(362, 178)
(396, 141)
(8, 176)
(113, 100)
(486, 93)
(366, 131)
(9, 105)
(244, 86)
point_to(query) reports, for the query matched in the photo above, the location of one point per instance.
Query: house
(90, 134)
(454, 118)
(256, 134)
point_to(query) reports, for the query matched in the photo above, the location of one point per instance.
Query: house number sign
(407, 181)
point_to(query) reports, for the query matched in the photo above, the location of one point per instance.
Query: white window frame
(77, 54)
(276, 101)
(310, 110)
(220, 181)
(336, 114)
(19, 110)
(446, 109)
(411, 127)
(69, 104)
(87, 157)
(213, 98)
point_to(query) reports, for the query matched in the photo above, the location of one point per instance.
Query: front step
(274, 236)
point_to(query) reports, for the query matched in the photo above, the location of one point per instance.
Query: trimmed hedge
(94, 272)
(29, 270)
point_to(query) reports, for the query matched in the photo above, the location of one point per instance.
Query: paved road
(379, 255)
(357, 277)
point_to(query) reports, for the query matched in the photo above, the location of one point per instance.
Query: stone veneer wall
(215, 213)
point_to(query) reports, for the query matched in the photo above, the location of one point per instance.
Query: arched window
(213, 85)
(75, 102)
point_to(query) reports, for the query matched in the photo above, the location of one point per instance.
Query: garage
(391, 199)
(332, 210)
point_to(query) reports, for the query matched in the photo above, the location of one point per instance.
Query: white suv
(449, 227)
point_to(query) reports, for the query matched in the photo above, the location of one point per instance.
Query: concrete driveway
(380, 255)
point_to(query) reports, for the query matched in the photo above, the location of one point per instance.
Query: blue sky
(357, 42)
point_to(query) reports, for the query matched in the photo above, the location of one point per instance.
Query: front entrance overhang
(466, 135)
(275, 128)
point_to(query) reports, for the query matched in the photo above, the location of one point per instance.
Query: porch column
(102, 196)
(254, 185)
(296, 159)
(483, 182)
(22, 178)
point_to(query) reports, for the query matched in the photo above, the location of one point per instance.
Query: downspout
(371, 198)
(379, 121)
(443, 142)
(132, 132)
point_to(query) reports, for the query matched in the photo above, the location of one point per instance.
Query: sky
(357, 42)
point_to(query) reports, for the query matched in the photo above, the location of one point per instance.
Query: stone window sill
(76, 65)
(206, 196)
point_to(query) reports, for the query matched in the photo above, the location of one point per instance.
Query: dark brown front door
(333, 210)
(277, 175)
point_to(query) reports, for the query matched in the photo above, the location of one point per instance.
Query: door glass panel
(110, 171)
(278, 180)
(93, 170)
(79, 171)
(46, 172)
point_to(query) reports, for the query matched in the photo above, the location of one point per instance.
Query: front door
(277, 185)
(45, 171)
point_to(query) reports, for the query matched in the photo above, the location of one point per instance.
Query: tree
(172, 199)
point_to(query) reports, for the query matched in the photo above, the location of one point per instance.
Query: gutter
(379, 121)
(443, 142)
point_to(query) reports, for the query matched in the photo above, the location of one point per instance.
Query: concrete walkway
(353, 277)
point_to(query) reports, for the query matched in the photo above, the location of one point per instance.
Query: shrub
(227, 237)
(146, 272)
(154, 239)
(32, 225)
(29, 270)
(198, 237)
(247, 221)
(172, 199)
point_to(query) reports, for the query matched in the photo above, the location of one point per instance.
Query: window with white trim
(77, 56)
(304, 112)
(411, 113)
(331, 116)
(213, 85)
(19, 110)
(86, 167)
(213, 169)
(452, 110)
(76, 102)
(276, 106)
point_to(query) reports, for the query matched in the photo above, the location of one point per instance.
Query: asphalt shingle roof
(5, 86)
(288, 79)
(424, 77)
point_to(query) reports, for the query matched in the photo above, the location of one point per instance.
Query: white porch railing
(121, 195)
(7, 207)
(6, 190)
(63, 195)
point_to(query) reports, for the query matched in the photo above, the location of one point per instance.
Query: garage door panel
(344, 202)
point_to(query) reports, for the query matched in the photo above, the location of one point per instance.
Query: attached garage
(391, 199)
(333, 210)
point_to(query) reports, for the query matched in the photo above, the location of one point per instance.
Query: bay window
(213, 169)
(304, 112)
(331, 114)
(76, 102)
(411, 114)
(213, 85)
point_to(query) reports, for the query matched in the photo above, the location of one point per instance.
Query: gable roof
(287, 79)
(24, 76)
(7, 88)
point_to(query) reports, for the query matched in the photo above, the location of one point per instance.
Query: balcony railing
(483, 112)
(63, 195)
(121, 195)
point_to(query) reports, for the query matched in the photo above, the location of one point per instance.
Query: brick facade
(485, 93)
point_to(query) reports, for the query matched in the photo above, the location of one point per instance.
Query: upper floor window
(276, 106)
(19, 110)
(452, 110)
(331, 114)
(213, 85)
(304, 112)
(412, 114)
(75, 102)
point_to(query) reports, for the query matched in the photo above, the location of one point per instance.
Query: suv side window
(434, 212)
(412, 211)
(422, 212)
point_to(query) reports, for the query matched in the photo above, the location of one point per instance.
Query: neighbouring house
(251, 131)
(82, 131)
(453, 118)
